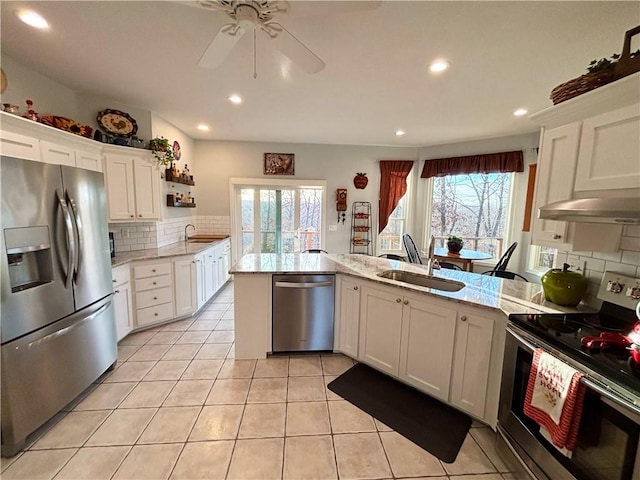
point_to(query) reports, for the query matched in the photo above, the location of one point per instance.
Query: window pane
(473, 207)
(391, 236)
(310, 218)
(247, 219)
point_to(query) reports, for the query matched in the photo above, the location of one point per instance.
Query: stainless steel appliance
(58, 327)
(608, 436)
(303, 307)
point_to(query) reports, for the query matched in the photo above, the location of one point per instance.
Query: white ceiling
(503, 55)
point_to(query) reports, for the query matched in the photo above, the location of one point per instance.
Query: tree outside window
(472, 206)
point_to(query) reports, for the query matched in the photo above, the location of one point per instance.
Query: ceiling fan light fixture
(438, 66)
(33, 19)
(520, 112)
(203, 128)
(235, 99)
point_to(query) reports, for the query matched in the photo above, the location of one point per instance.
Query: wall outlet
(125, 233)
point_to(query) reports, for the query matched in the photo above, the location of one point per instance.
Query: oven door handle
(587, 381)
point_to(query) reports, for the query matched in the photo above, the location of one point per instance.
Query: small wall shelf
(181, 205)
(180, 179)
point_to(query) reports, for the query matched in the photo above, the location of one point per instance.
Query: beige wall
(217, 162)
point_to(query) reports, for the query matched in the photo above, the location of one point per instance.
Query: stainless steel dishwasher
(303, 307)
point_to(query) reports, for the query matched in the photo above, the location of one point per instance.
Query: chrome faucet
(186, 239)
(433, 262)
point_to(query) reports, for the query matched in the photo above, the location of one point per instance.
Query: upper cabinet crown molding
(614, 95)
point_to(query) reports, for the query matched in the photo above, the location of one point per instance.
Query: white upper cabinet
(610, 151)
(22, 138)
(589, 147)
(133, 185)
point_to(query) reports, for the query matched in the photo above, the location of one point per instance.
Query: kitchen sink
(423, 280)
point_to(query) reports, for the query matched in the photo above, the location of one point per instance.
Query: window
(473, 206)
(541, 258)
(391, 237)
(278, 219)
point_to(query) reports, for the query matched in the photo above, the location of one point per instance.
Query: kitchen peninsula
(448, 344)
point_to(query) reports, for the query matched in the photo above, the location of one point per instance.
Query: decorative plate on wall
(117, 123)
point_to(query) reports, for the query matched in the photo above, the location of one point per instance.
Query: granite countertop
(508, 296)
(173, 250)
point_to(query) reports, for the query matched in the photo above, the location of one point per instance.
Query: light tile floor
(179, 406)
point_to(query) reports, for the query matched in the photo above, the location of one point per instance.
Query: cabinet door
(209, 275)
(119, 182)
(89, 160)
(57, 154)
(123, 310)
(349, 317)
(19, 146)
(200, 294)
(147, 190)
(219, 267)
(184, 280)
(554, 181)
(227, 261)
(609, 156)
(428, 332)
(471, 363)
(380, 329)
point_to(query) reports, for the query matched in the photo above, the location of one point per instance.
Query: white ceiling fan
(257, 15)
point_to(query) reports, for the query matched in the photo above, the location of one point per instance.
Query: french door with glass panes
(279, 220)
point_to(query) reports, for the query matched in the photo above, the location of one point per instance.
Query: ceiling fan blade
(304, 8)
(293, 48)
(221, 45)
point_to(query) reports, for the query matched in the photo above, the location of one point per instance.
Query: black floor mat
(427, 422)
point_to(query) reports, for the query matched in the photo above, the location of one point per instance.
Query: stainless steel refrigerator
(58, 327)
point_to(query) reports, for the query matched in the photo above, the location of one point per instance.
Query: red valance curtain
(504, 162)
(393, 185)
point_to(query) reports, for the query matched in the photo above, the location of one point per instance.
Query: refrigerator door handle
(78, 232)
(71, 239)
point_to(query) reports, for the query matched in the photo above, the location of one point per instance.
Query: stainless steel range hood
(620, 211)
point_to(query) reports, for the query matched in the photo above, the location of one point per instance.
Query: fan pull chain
(255, 61)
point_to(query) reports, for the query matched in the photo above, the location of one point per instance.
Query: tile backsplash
(141, 236)
(625, 261)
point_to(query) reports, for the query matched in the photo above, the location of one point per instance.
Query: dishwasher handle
(304, 284)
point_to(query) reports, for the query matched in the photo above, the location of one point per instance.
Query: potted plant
(162, 150)
(454, 243)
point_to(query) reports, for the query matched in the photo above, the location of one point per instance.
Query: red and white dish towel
(554, 399)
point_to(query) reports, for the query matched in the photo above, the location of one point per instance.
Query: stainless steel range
(598, 345)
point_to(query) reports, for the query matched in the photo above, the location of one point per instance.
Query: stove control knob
(614, 287)
(633, 292)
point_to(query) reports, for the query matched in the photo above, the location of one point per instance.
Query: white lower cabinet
(380, 329)
(122, 299)
(452, 353)
(154, 291)
(472, 356)
(184, 281)
(428, 332)
(349, 316)
(209, 274)
(201, 298)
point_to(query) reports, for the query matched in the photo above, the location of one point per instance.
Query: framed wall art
(279, 163)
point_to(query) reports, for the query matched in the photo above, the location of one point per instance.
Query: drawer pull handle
(155, 298)
(116, 291)
(113, 281)
(154, 270)
(355, 288)
(154, 283)
(557, 237)
(398, 300)
(140, 215)
(131, 216)
(406, 302)
(156, 314)
(463, 318)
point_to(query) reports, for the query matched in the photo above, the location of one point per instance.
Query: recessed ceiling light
(235, 98)
(520, 112)
(204, 128)
(438, 66)
(399, 133)
(32, 19)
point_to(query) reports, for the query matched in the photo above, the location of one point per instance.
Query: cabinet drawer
(149, 283)
(158, 313)
(150, 298)
(142, 271)
(120, 275)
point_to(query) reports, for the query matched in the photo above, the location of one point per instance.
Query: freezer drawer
(42, 372)
(303, 307)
